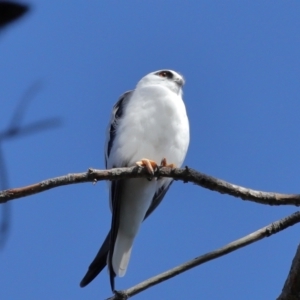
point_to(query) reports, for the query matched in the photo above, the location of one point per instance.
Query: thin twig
(5, 209)
(264, 232)
(185, 174)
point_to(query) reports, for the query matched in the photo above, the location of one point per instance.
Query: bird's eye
(165, 74)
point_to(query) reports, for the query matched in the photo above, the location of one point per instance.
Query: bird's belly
(153, 132)
(153, 144)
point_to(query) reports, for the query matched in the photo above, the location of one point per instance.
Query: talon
(165, 164)
(150, 165)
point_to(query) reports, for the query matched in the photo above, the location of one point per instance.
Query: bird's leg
(164, 164)
(150, 165)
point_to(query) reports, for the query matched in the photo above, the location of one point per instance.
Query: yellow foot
(164, 164)
(150, 165)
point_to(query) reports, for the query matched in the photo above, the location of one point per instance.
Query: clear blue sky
(242, 93)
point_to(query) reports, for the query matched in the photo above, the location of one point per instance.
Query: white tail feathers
(122, 251)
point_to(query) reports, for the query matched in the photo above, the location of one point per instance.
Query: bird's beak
(180, 81)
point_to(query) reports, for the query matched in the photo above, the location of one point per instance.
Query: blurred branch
(11, 11)
(291, 289)
(3, 173)
(6, 211)
(264, 232)
(15, 130)
(184, 174)
(19, 112)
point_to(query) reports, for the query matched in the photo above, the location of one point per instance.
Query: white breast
(154, 126)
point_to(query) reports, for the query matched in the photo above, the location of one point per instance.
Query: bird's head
(168, 78)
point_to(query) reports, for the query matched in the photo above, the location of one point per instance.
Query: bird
(148, 127)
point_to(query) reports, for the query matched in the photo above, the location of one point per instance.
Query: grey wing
(159, 195)
(117, 113)
(98, 264)
(116, 191)
(100, 260)
(104, 255)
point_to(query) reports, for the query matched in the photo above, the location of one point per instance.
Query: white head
(167, 78)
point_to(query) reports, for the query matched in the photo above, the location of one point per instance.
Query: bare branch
(27, 97)
(185, 174)
(264, 232)
(291, 289)
(15, 130)
(6, 209)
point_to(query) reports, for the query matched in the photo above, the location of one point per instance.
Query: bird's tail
(122, 252)
(97, 264)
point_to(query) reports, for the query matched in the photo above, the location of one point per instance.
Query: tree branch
(291, 289)
(185, 174)
(264, 232)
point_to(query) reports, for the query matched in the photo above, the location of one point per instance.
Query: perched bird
(148, 127)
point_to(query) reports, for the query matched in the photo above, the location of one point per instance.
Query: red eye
(163, 74)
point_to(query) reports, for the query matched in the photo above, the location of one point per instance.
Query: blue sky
(241, 64)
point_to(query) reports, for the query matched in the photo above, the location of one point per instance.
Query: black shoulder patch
(118, 112)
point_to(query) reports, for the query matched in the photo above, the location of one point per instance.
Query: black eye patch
(165, 74)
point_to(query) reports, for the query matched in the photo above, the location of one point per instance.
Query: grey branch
(184, 174)
(264, 232)
(291, 289)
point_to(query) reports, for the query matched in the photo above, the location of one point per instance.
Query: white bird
(147, 124)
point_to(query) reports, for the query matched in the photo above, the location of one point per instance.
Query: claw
(150, 165)
(165, 164)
